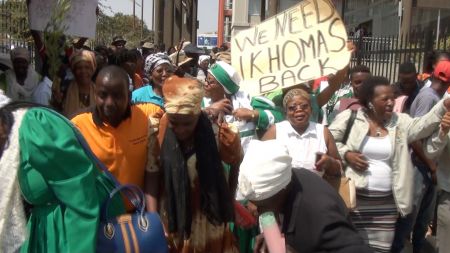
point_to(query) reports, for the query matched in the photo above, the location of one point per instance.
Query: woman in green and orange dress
(43, 163)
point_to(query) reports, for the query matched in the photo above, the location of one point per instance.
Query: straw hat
(182, 58)
(148, 45)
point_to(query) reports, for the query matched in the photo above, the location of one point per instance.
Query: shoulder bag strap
(350, 122)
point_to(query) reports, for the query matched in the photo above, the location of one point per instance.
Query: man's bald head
(113, 72)
(112, 94)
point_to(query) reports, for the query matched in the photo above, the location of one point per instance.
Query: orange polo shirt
(122, 149)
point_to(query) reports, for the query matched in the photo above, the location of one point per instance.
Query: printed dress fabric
(205, 237)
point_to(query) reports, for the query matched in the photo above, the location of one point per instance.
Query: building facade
(393, 17)
(368, 17)
(175, 20)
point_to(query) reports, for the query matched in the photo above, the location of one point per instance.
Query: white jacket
(402, 131)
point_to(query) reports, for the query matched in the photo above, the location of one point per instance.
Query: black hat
(118, 39)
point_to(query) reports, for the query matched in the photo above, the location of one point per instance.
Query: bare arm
(334, 82)
(270, 134)
(151, 190)
(335, 165)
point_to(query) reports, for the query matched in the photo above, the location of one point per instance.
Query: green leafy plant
(54, 38)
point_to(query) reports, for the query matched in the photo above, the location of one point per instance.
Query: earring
(371, 107)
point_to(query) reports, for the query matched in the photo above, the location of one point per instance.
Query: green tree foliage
(14, 20)
(14, 24)
(121, 24)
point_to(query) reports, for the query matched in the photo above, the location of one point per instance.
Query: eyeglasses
(303, 107)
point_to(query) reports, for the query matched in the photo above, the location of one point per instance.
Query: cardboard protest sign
(302, 43)
(80, 20)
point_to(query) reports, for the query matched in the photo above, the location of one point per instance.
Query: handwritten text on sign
(80, 20)
(302, 43)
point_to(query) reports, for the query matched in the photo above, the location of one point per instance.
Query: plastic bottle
(271, 231)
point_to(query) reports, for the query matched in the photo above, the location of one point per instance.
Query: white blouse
(303, 147)
(378, 152)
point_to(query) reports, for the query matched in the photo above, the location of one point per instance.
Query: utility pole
(142, 19)
(438, 28)
(134, 15)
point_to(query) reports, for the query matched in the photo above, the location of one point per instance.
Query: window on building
(286, 4)
(254, 7)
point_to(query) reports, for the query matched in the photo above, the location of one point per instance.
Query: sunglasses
(303, 107)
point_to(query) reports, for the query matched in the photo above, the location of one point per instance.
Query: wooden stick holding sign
(300, 44)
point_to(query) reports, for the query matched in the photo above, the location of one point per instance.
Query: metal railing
(14, 28)
(383, 55)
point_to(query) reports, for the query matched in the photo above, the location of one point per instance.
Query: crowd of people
(176, 124)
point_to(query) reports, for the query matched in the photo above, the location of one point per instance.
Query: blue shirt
(146, 95)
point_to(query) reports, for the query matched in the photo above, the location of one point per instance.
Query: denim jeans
(420, 218)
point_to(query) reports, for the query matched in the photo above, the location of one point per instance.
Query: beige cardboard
(79, 21)
(300, 44)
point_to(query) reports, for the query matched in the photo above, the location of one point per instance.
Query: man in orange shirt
(122, 135)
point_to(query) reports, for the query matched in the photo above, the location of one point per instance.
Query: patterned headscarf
(154, 60)
(182, 95)
(203, 58)
(83, 55)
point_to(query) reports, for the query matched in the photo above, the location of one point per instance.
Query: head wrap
(265, 170)
(295, 92)
(203, 58)
(154, 60)
(83, 55)
(182, 95)
(20, 53)
(227, 76)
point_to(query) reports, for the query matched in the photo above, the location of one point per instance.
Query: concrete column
(193, 18)
(159, 21)
(186, 21)
(240, 19)
(221, 22)
(273, 8)
(406, 18)
(168, 23)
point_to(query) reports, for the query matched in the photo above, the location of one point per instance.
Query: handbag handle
(133, 193)
(102, 166)
(93, 157)
(137, 199)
